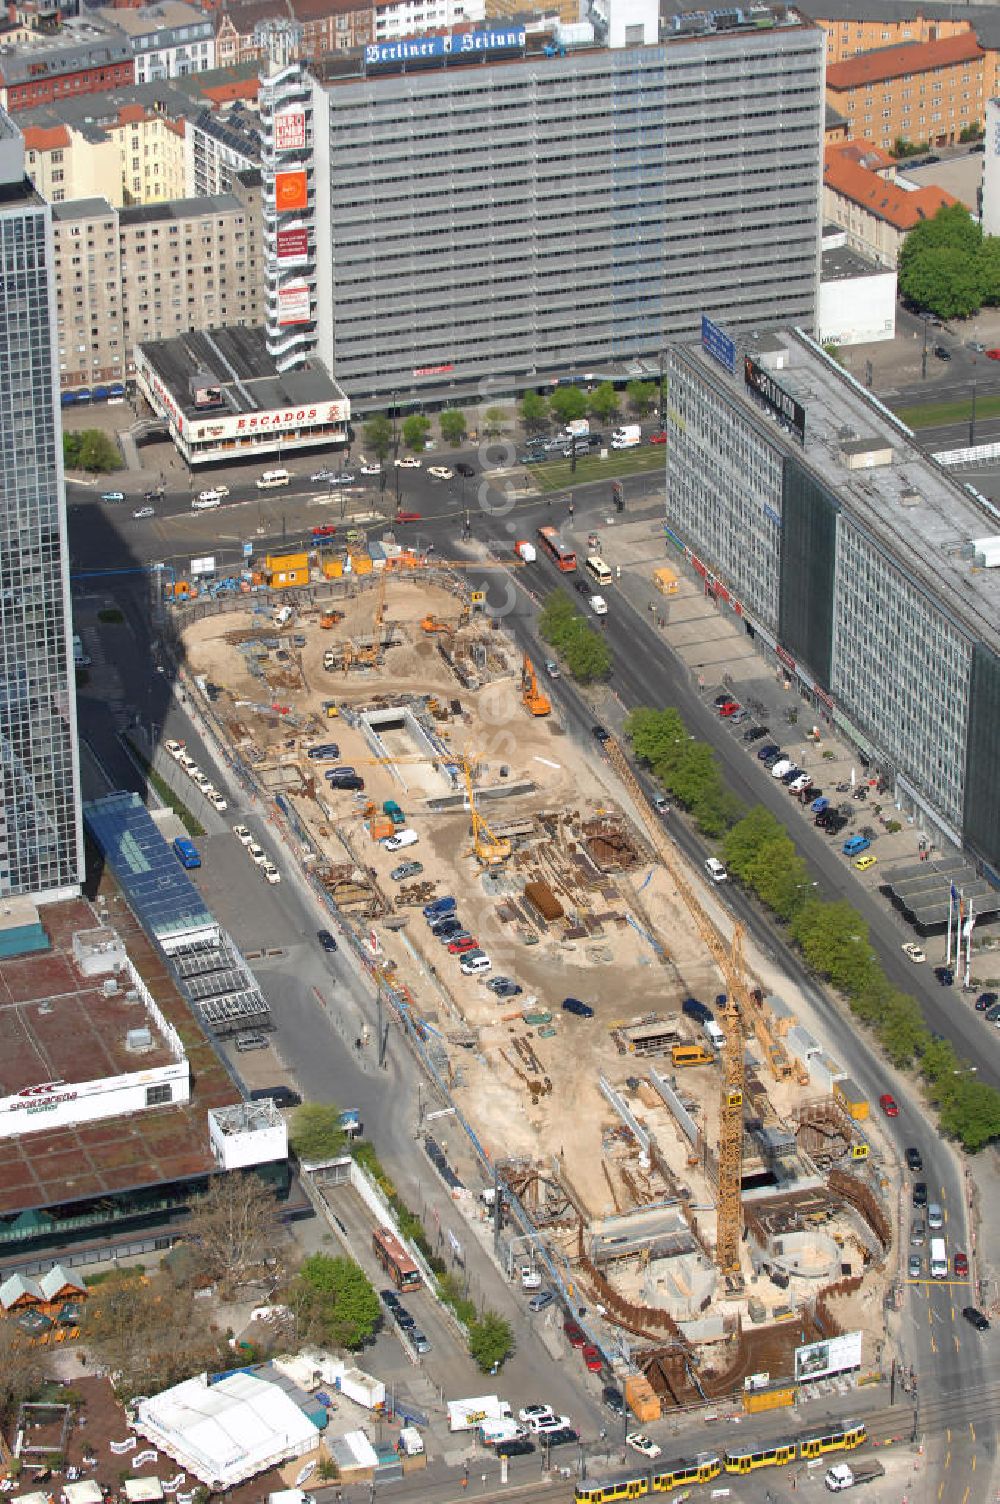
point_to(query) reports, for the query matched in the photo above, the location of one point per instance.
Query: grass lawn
(557, 475)
(938, 413)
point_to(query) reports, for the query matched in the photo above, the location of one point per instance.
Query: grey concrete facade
(540, 217)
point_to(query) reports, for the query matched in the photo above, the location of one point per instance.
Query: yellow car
(866, 861)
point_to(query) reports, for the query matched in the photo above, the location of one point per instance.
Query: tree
(415, 430)
(941, 265)
(333, 1301)
(491, 1341)
(453, 426)
(749, 838)
(233, 1227)
(834, 941)
(655, 734)
(378, 435)
(495, 421)
(902, 1030)
(21, 1370)
(604, 401)
(588, 656)
(972, 1114)
(92, 450)
(568, 404)
(640, 396)
(556, 619)
(534, 409)
(149, 1331)
(316, 1134)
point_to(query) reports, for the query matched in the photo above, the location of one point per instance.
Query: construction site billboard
(816, 1360)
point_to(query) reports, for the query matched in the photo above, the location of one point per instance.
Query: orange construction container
(641, 1398)
(284, 570)
(333, 569)
(380, 827)
(361, 563)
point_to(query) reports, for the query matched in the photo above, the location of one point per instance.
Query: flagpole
(951, 909)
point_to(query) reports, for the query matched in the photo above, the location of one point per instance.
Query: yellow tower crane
(729, 959)
(490, 849)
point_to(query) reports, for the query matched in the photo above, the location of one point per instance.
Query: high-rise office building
(41, 838)
(505, 207)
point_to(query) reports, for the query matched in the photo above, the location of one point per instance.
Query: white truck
(598, 605)
(411, 1442)
(939, 1259)
(627, 437)
(493, 1430)
(526, 551)
(852, 1475)
(578, 429)
(466, 1415)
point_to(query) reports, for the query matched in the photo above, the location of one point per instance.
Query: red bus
(395, 1260)
(564, 557)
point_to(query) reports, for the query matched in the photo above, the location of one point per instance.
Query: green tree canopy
(333, 1301)
(640, 396)
(316, 1134)
(495, 420)
(834, 940)
(604, 401)
(378, 435)
(586, 652)
(534, 409)
(415, 430)
(91, 449)
(453, 425)
(972, 1114)
(568, 404)
(491, 1341)
(943, 267)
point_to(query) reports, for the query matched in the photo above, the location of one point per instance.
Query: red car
(325, 530)
(409, 516)
(574, 1334)
(729, 708)
(993, 355)
(887, 1102)
(961, 1264)
(459, 947)
(591, 1357)
(658, 438)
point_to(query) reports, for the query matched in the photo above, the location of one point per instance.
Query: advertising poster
(294, 305)
(293, 244)
(291, 191)
(837, 1355)
(289, 130)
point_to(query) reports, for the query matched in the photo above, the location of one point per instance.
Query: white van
(714, 1035)
(272, 478)
(473, 962)
(400, 839)
(206, 502)
(939, 1259)
(716, 870)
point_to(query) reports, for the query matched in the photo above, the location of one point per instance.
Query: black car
(945, 975)
(914, 1160)
(463, 467)
(583, 587)
(920, 1193)
(564, 1435)
(612, 1397)
(602, 734)
(517, 1446)
(986, 1000)
(326, 940)
(504, 986)
(942, 352)
(768, 750)
(721, 700)
(976, 1318)
(755, 733)
(574, 1005)
(390, 1298)
(282, 1096)
(347, 781)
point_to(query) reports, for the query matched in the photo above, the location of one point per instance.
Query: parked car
(612, 1398)
(406, 869)
(658, 438)
(580, 1010)
(514, 1446)
(728, 708)
(600, 732)
(561, 1436)
(504, 987)
(942, 352)
(945, 975)
(408, 462)
(574, 1333)
(913, 952)
(768, 750)
(961, 1265)
(243, 835)
(591, 1357)
(864, 862)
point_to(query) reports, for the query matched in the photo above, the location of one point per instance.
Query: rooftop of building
(82, 208)
(220, 86)
(93, 114)
(150, 20)
(860, 149)
(238, 128)
(180, 208)
(961, 176)
(885, 200)
(984, 20)
(680, 19)
(46, 138)
(237, 362)
(839, 263)
(905, 58)
(924, 516)
(77, 45)
(55, 1166)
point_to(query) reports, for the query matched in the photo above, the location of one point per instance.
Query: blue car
(819, 805)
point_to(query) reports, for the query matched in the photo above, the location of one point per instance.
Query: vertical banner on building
(294, 304)
(293, 245)
(291, 191)
(289, 130)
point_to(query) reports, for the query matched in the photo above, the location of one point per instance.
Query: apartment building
(169, 39)
(217, 146)
(151, 153)
(407, 18)
(128, 275)
(863, 568)
(861, 195)
(81, 59)
(547, 208)
(856, 26)
(917, 91)
(65, 163)
(283, 31)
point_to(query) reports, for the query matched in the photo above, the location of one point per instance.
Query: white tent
(87, 1492)
(227, 1432)
(142, 1490)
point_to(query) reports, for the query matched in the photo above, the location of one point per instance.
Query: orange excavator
(531, 696)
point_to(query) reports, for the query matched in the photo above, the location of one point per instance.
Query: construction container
(641, 1399)
(380, 828)
(768, 1397)
(543, 901)
(824, 1071)
(360, 563)
(853, 1099)
(665, 581)
(284, 570)
(537, 1016)
(377, 554)
(333, 569)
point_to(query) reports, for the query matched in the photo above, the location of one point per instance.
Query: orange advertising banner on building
(290, 191)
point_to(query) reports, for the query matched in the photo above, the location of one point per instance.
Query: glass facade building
(541, 217)
(870, 573)
(41, 841)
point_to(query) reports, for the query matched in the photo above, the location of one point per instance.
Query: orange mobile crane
(729, 959)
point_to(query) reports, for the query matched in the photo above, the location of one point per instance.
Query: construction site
(699, 1166)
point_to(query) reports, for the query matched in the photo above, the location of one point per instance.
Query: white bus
(598, 570)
